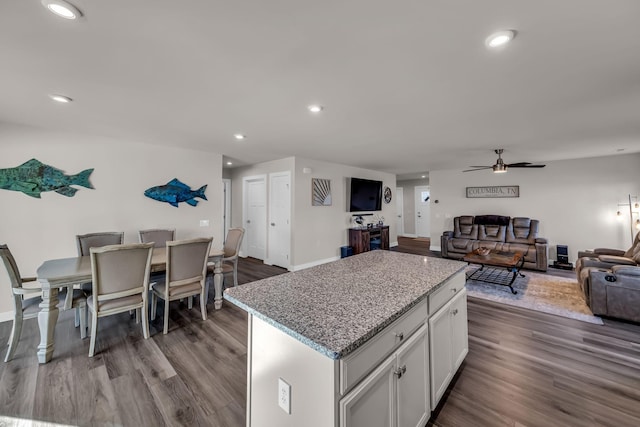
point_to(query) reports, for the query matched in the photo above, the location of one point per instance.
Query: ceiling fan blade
(526, 166)
(517, 165)
(479, 168)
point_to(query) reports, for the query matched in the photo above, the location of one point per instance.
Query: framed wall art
(320, 192)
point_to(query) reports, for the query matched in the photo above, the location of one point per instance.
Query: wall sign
(493, 191)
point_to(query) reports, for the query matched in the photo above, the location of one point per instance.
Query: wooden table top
(495, 258)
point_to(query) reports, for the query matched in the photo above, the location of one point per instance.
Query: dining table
(69, 272)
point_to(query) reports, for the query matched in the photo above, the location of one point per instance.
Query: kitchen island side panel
(312, 376)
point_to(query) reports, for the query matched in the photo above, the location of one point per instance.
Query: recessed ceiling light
(315, 108)
(239, 136)
(500, 38)
(423, 176)
(60, 98)
(62, 8)
(229, 163)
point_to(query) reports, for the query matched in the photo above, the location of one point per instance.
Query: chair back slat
(96, 240)
(11, 266)
(117, 269)
(158, 236)
(187, 259)
(233, 242)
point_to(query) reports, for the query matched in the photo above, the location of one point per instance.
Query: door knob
(248, 221)
(455, 311)
(273, 224)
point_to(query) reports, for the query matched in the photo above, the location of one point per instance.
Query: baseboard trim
(413, 236)
(6, 316)
(314, 263)
(393, 244)
(435, 248)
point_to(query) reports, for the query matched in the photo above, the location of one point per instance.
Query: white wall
(317, 232)
(321, 230)
(575, 200)
(41, 229)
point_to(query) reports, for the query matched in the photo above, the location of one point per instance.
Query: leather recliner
(614, 292)
(605, 259)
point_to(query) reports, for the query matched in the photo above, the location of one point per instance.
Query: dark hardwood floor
(524, 368)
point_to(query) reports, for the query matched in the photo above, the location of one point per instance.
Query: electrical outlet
(204, 223)
(284, 395)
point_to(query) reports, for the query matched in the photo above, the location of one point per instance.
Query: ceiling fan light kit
(501, 167)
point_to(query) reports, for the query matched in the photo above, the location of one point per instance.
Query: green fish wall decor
(34, 177)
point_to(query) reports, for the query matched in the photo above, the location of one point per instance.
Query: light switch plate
(204, 223)
(284, 395)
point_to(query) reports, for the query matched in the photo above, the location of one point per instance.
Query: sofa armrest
(616, 260)
(448, 234)
(626, 270)
(542, 255)
(607, 251)
(541, 240)
(596, 262)
(616, 295)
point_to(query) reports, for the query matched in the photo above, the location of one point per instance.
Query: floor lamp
(634, 209)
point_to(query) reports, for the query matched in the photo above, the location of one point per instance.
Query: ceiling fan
(501, 166)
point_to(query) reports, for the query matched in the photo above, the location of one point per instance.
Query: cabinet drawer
(446, 292)
(355, 366)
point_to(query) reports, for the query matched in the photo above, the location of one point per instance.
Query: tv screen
(365, 195)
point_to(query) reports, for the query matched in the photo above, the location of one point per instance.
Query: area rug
(549, 294)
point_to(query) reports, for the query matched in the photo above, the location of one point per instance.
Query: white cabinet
(396, 393)
(448, 343)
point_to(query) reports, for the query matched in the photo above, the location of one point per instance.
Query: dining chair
(186, 275)
(96, 240)
(158, 236)
(120, 282)
(28, 308)
(231, 250)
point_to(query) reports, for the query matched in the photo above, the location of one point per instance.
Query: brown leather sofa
(496, 232)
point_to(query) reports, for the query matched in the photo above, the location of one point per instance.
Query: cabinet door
(384, 238)
(371, 403)
(365, 241)
(459, 333)
(440, 353)
(413, 384)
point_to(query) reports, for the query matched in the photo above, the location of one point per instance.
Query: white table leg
(217, 284)
(47, 319)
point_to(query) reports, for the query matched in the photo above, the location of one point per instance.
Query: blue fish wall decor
(34, 177)
(175, 192)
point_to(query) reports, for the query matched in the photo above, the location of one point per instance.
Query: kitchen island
(372, 339)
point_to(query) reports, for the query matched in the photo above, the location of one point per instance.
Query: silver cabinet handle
(400, 371)
(400, 335)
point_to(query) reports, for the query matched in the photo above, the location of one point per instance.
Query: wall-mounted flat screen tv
(365, 195)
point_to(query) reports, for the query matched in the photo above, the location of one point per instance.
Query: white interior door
(400, 210)
(279, 241)
(255, 216)
(423, 211)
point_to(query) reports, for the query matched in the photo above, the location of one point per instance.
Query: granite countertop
(336, 307)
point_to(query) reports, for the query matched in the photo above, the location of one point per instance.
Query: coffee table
(498, 267)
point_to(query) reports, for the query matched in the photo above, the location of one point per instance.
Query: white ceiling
(408, 86)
